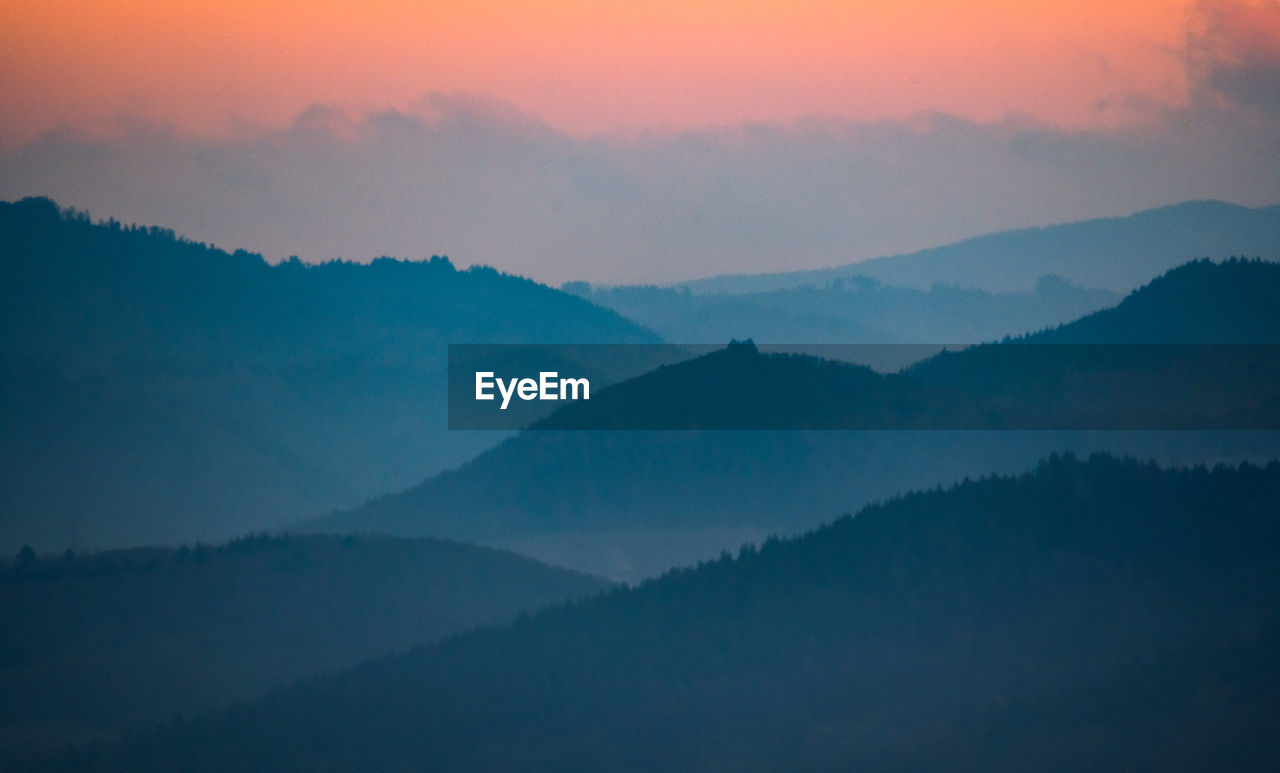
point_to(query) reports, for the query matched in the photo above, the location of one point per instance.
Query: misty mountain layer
(1098, 614)
(157, 390)
(1115, 253)
(628, 504)
(856, 309)
(981, 289)
(104, 642)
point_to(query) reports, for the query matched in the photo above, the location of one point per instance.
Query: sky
(634, 142)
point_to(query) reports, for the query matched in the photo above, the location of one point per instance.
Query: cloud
(483, 182)
(1233, 53)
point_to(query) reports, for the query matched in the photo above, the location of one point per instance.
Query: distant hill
(1230, 302)
(628, 504)
(739, 387)
(850, 310)
(1115, 254)
(99, 643)
(1099, 614)
(107, 291)
(1200, 303)
(158, 390)
(1016, 386)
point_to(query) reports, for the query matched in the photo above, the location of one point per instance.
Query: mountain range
(1116, 254)
(96, 644)
(161, 391)
(630, 503)
(850, 310)
(1090, 614)
(981, 289)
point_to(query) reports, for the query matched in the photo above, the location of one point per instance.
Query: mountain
(1116, 253)
(1011, 386)
(1101, 614)
(98, 643)
(1202, 302)
(1213, 327)
(849, 310)
(739, 387)
(158, 390)
(982, 289)
(629, 504)
(101, 292)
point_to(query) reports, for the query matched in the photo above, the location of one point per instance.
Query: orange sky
(582, 65)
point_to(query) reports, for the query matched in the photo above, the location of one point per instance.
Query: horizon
(68, 210)
(616, 145)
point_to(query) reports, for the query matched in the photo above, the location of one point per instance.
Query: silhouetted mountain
(97, 643)
(739, 387)
(850, 310)
(1115, 253)
(161, 390)
(1204, 304)
(1232, 302)
(1104, 615)
(629, 504)
(1019, 386)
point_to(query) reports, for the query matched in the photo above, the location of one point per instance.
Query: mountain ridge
(967, 628)
(627, 504)
(102, 642)
(262, 393)
(1178, 233)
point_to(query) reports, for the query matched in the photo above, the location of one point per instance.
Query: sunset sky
(614, 87)
(587, 66)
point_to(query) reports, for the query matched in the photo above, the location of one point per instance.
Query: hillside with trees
(98, 643)
(159, 390)
(627, 504)
(1090, 614)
